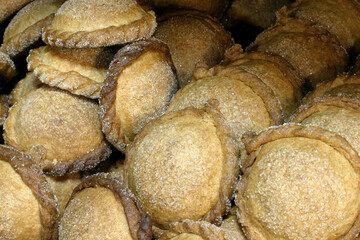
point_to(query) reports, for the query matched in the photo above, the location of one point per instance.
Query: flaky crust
(79, 71)
(315, 53)
(26, 27)
(229, 170)
(32, 176)
(99, 37)
(113, 125)
(139, 223)
(343, 84)
(7, 69)
(67, 152)
(253, 143)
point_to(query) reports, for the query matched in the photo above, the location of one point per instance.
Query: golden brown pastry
(4, 107)
(79, 71)
(315, 53)
(212, 7)
(29, 83)
(340, 17)
(274, 71)
(25, 28)
(101, 207)
(117, 170)
(28, 209)
(257, 13)
(61, 130)
(183, 165)
(246, 103)
(7, 69)
(63, 187)
(138, 87)
(342, 85)
(98, 23)
(9, 7)
(300, 182)
(340, 114)
(194, 38)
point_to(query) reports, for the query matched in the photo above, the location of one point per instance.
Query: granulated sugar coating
(300, 188)
(183, 165)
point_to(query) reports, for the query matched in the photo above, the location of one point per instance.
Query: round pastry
(79, 71)
(7, 69)
(300, 182)
(138, 87)
(274, 71)
(340, 114)
(246, 103)
(194, 38)
(7, 8)
(101, 207)
(61, 130)
(25, 28)
(63, 187)
(98, 23)
(29, 83)
(28, 209)
(315, 53)
(343, 84)
(340, 17)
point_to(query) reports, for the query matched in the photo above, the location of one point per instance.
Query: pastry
(29, 83)
(28, 208)
(62, 131)
(194, 38)
(299, 182)
(138, 87)
(315, 53)
(183, 165)
(7, 69)
(101, 207)
(98, 23)
(79, 71)
(9, 7)
(4, 107)
(25, 28)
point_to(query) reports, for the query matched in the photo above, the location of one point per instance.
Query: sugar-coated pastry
(183, 165)
(61, 130)
(7, 69)
(26, 26)
(101, 207)
(193, 38)
(28, 208)
(299, 182)
(99, 23)
(9, 7)
(29, 83)
(79, 71)
(138, 87)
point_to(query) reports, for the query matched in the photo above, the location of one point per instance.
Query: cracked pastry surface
(94, 23)
(62, 130)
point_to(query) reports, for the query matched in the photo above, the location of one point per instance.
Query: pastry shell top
(340, 114)
(94, 23)
(183, 165)
(26, 26)
(138, 87)
(315, 53)
(344, 84)
(7, 8)
(7, 68)
(29, 83)
(290, 171)
(194, 38)
(340, 17)
(61, 130)
(79, 71)
(28, 206)
(103, 206)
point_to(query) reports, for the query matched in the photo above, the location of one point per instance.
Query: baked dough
(25, 28)
(9, 7)
(7, 69)
(138, 87)
(183, 165)
(98, 23)
(29, 83)
(79, 71)
(61, 130)
(299, 182)
(101, 207)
